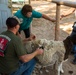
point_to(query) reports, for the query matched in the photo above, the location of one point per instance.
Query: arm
(36, 14)
(28, 57)
(48, 18)
(22, 53)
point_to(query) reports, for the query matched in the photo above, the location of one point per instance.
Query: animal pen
(58, 4)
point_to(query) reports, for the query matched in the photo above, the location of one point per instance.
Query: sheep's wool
(53, 50)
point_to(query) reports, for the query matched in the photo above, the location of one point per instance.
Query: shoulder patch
(4, 40)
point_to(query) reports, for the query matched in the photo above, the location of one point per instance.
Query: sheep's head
(68, 46)
(41, 43)
(31, 46)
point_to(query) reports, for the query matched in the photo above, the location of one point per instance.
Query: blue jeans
(74, 50)
(25, 68)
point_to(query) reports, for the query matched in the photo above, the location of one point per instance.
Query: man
(13, 58)
(26, 14)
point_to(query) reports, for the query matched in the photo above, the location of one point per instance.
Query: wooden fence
(58, 3)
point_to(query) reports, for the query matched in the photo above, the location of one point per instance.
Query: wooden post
(58, 3)
(29, 1)
(57, 30)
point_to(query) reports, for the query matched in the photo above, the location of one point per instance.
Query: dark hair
(11, 22)
(26, 8)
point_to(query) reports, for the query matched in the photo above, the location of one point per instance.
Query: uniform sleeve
(36, 14)
(19, 48)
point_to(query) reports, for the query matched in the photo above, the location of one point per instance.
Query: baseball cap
(12, 21)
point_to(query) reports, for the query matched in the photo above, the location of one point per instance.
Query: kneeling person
(13, 57)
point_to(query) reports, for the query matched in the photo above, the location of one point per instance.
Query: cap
(12, 21)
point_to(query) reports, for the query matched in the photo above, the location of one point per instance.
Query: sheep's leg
(61, 69)
(55, 68)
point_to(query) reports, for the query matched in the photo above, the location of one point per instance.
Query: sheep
(54, 51)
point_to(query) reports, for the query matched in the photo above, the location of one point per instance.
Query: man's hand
(39, 51)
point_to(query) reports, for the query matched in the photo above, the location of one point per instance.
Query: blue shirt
(26, 21)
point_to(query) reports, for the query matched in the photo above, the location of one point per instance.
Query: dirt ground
(46, 29)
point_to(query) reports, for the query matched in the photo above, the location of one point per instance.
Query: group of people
(14, 59)
(26, 15)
